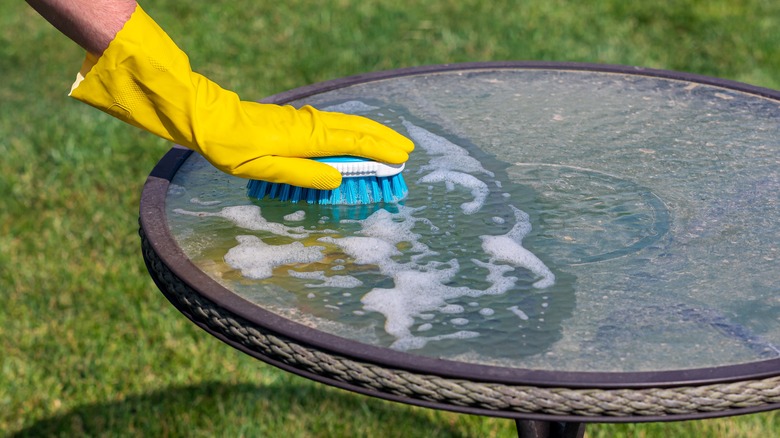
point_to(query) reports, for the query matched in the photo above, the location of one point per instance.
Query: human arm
(92, 24)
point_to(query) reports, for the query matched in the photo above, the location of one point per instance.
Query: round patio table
(581, 243)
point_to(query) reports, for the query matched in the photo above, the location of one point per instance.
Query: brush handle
(354, 167)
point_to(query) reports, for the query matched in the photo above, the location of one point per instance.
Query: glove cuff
(131, 78)
(89, 61)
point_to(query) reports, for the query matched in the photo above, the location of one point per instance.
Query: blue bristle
(284, 192)
(273, 190)
(400, 189)
(376, 188)
(362, 187)
(352, 191)
(296, 193)
(311, 196)
(387, 191)
(258, 189)
(349, 192)
(325, 195)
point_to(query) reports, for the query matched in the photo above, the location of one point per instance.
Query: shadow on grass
(219, 409)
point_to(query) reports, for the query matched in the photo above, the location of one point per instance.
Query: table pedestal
(549, 429)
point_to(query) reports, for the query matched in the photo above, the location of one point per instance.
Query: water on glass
(556, 220)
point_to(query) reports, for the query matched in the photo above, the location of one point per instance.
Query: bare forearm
(92, 24)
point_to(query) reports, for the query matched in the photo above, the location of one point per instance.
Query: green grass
(90, 347)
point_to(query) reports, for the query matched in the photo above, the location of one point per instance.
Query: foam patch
(257, 260)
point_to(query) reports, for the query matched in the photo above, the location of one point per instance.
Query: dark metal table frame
(544, 403)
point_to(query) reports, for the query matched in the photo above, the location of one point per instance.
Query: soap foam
(295, 217)
(416, 342)
(176, 190)
(351, 107)
(366, 250)
(451, 164)
(198, 201)
(249, 217)
(396, 228)
(520, 314)
(499, 283)
(509, 248)
(336, 281)
(445, 155)
(256, 259)
(414, 293)
(393, 228)
(456, 163)
(479, 190)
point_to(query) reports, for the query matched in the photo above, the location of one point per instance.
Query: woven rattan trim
(654, 402)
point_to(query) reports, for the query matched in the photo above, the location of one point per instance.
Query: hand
(144, 79)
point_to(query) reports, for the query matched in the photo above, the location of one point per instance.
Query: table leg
(549, 429)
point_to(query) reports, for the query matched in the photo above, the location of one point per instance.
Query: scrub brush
(363, 182)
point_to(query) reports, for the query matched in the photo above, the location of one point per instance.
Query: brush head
(364, 182)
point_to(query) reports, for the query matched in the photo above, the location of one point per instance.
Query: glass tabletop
(557, 220)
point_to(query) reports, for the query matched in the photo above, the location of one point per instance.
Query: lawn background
(89, 347)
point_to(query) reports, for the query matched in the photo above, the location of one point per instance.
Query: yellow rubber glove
(144, 79)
